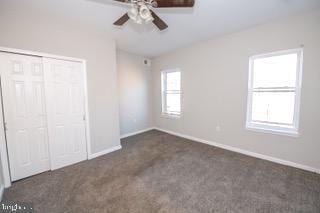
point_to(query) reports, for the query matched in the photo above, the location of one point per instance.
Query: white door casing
(24, 114)
(65, 94)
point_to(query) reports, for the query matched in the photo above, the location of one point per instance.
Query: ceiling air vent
(147, 62)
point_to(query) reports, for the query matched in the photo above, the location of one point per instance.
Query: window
(274, 92)
(171, 93)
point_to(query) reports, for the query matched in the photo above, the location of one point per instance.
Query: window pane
(173, 103)
(276, 107)
(173, 81)
(275, 71)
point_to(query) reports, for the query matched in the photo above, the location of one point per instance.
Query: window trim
(287, 130)
(163, 99)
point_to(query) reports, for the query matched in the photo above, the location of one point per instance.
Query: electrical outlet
(218, 128)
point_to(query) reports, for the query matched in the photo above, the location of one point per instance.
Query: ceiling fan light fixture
(140, 14)
(133, 13)
(154, 3)
(149, 19)
(141, 11)
(138, 20)
(144, 12)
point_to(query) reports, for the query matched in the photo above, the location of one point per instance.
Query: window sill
(270, 130)
(170, 116)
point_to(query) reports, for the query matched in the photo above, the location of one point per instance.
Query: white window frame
(287, 130)
(164, 113)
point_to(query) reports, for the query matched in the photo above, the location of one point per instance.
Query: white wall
(134, 93)
(30, 30)
(214, 87)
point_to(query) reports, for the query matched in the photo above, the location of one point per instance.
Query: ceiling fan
(141, 12)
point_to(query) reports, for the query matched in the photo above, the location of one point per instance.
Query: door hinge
(84, 117)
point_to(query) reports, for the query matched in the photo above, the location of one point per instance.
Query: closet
(43, 102)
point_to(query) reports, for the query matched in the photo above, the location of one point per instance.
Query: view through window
(171, 93)
(274, 91)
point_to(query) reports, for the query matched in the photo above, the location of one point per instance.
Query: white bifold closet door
(44, 113)
(64, 84)
(22, 83)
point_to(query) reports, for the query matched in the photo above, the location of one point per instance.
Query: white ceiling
(209, 18)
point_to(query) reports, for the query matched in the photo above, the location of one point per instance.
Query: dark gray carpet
(157, 172)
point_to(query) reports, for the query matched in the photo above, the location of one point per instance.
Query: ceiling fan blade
(122, 20)
(158, 21)
(124, 1)
(174, 3)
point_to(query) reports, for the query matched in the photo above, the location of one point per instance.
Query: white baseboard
(104, 152)
(137, 132)
(1, 191)
(245, 152)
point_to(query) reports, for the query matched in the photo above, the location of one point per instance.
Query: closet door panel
(65, 100)
(24, 114)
